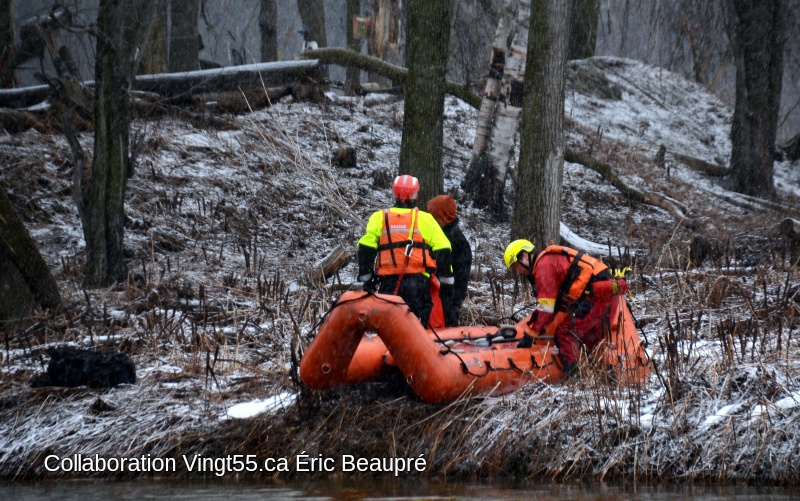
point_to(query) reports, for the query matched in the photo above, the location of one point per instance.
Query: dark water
(400, 490)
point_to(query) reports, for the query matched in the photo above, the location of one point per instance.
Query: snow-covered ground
(223, 225)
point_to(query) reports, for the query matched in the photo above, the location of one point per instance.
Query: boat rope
(513, 316)
(465, 368)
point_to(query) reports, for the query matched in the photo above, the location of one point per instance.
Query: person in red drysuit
(576, 297)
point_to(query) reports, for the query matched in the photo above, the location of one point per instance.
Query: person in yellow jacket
(402, 247)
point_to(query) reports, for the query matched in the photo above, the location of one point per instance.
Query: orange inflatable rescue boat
(364, 335)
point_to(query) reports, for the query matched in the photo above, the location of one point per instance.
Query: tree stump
(790, 228)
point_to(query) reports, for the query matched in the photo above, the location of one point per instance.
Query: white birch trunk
(501, 108)
(506, 123)
(491, 92)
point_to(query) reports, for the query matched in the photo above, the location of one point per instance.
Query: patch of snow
(254, 408)
(724, 412)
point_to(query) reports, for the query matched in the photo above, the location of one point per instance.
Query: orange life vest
(401, 249)
(583, 270)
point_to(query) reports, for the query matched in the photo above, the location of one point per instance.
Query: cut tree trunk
(790, 228)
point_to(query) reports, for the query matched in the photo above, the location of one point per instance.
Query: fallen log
(699, 165)
(750, 202)
(635, 195)
(346, 57)
(181, 86)
(327, 266)
(14, 121)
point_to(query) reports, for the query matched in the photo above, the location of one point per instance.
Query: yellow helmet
(513, 250)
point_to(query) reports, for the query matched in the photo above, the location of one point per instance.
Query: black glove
(581, 308)
(534, 316)
(526, 342)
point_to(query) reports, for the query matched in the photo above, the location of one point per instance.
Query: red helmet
(405, 187)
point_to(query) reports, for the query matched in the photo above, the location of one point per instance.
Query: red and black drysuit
(576, 296)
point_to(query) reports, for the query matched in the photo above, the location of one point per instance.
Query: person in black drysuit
(443, 209)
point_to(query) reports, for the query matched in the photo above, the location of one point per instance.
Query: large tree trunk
(7, 31)
(268, 24)
(25, 280)
(352, 81)
(757, 37)
(583, 28)
(184, 50)
(537, 210)
(421, 147)
(312, 13)
(123, 26)
(154, 60)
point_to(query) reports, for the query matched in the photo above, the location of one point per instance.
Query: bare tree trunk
(154, 60)
(507, 116)
(184, 50)
(421, 147)
(25, 280)
(268, 24)
(583, 28)
(352, 81)
(312, 13)
(387, 33)
(496, 134)
(758, 38)
(7, 30)
(537, 211)
(123, 26)
(491, 92)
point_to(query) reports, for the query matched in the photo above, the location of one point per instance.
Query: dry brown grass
(204, 295)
